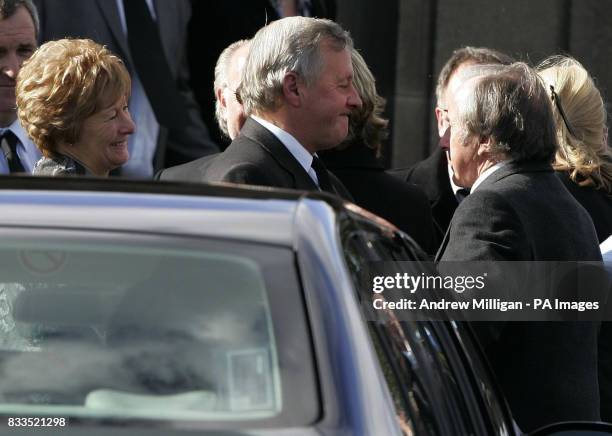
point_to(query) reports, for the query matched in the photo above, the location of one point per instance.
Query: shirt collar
(454, 187)
(481, 178)
(298, 151)
(19, 132)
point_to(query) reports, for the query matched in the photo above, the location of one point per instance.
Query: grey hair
(464, 55)
(289, 44)
(9, 7)
(221, 72)
(509, 104)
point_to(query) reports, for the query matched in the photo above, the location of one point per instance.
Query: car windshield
(136, 326)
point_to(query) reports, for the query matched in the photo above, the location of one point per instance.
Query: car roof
(221, 211)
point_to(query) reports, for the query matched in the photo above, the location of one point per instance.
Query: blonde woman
(72, 99)
(584, 160)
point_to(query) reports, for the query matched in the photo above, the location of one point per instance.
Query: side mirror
(575, 429)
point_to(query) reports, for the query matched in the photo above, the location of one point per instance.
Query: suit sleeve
(244, 174)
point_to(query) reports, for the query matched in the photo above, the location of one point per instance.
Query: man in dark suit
(18, 30)
(150, 36)
(297, 90)
(229, 113)
(432, 174)
(502, 141)
(217, 23)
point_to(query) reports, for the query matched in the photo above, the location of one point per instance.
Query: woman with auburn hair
(356, 163)
(583, 160)
(72, 99)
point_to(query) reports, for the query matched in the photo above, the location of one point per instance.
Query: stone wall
(406, 42)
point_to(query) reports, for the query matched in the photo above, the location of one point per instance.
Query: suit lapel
(443, 245)
(505, 171)
(258, 133)
(166, 23)
(111, 15)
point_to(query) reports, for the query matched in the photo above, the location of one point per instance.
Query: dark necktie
(461, 194)
(152, 66)
(322, 175)
(9, 149)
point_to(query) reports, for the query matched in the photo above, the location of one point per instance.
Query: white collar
(481, 178)
(298, 151)
(451, 173)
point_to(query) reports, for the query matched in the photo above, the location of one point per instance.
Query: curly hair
(583, 150)
(62, 84)
(366, 126)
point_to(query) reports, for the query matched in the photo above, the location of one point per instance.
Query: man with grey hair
(298, 93)
(432, 174)
(229, 112)
(228, 71)
(18, 33)
(502, 142)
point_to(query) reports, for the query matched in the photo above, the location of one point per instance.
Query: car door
(432, 388)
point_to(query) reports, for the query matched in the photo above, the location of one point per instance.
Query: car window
(152, 327)
(418, 374)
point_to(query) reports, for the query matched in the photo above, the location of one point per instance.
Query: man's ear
(442, 124)
(485, 145)
(221, 97)
(291, 89)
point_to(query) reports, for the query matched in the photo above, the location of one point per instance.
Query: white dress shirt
(296, 149)
(26, 150)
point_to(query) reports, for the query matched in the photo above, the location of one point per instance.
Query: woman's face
(103, 142)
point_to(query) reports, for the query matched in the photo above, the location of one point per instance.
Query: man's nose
(10, 65)
(354, 101)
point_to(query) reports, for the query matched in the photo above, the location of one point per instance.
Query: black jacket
(400, 203)
(522, 212)
(255, 157)
(431, 175)
(596, 202)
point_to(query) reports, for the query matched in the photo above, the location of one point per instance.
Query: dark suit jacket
(431, 175)
(99, 20)
(599, 206)
(189, 172)
(400, 203)
(596, 202)
(522, 212)
(215, 25)
(255, 157)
